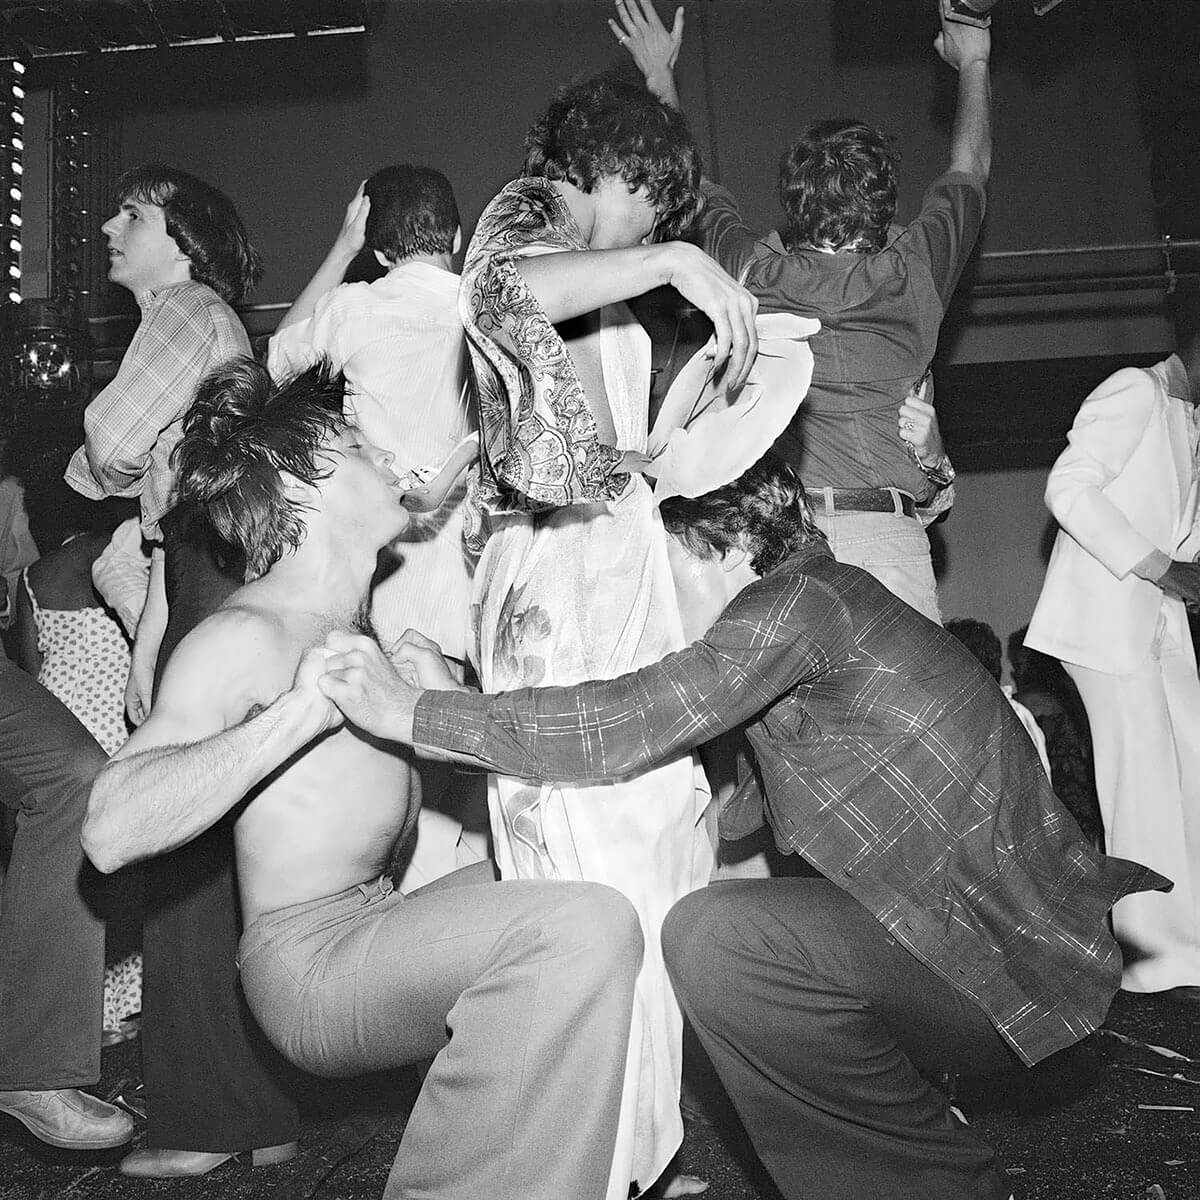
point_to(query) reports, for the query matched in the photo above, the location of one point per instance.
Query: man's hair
(413, 211)
(241, 432)
(764, 510)
(610, 125)
(982, 641)
(204, 224)
(837, 185)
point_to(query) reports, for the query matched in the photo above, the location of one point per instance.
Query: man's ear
(383, 260)
(454, 249)
(734, 557)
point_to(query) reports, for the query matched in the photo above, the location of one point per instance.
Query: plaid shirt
(885, 755)
(132, 426)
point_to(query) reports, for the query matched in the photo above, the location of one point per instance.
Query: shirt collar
(1177, 379)
(150, 295)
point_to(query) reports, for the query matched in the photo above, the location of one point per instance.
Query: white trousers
(1146, 735)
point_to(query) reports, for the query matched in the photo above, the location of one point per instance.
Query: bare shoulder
(238, 657)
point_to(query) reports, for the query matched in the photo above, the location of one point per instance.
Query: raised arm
(192, 762)
(576, 282)
(655, 50)
(967, 49)
(346, 246)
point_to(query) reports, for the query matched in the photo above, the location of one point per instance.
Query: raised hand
(306, 692)
(728, 305)
(958, 44)
(652, 48)
(353, 234)
(366, 688)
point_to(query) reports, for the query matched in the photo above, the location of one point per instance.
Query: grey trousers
(522, 994)
(51, 938)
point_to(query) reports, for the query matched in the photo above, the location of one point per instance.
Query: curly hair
(413, 211)
(610, 125)
(241, 432)
(204, 224)
(764, 510)
(837, 185)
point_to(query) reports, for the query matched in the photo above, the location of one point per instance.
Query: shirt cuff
(1153, 567)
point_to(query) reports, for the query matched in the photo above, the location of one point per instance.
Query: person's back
(399, 342)
(865, 441)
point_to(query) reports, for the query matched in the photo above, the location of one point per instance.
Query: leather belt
(861, 500)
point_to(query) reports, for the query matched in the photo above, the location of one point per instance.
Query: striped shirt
(132, 426)
(885, 755)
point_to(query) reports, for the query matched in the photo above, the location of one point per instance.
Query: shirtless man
(455, 972)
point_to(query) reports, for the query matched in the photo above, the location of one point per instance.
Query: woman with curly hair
(573, 580)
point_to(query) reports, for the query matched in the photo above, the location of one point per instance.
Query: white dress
(575, 591)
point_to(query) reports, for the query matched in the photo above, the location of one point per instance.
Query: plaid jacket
(885, 755)
(132, 426)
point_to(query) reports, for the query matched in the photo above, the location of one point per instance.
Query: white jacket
(1124, 487)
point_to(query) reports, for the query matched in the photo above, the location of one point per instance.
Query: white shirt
(399, 342)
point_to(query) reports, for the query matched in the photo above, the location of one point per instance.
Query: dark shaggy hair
(837, 185)
(241, 432)
(413, 211)
(764, 509)
(982, 641)
(204, 224)
(610, 125)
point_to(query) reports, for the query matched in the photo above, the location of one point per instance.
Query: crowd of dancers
(447, 678)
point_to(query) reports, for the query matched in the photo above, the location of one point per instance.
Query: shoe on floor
(69, 1118)
(173, 1164)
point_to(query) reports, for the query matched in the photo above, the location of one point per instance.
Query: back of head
(763, 510)
(241, 434)
(610, 125)
(204, 224)
(837, 185)
(413, 211)
(982, 641)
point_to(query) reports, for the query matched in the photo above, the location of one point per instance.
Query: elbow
(100, 838)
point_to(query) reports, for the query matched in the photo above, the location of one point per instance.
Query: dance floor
(1117, 1117)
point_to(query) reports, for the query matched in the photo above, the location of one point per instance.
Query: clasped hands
(350, 678)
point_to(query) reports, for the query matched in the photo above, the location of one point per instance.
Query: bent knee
(695, 937)
(602, 925)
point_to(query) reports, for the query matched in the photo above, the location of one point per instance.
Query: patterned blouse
(540, 444)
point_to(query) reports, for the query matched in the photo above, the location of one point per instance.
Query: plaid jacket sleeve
(776, 634)
(153, 386)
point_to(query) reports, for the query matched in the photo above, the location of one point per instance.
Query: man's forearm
(971, 136)
(159, 799)
(328, 275)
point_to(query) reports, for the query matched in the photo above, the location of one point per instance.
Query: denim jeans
(892, 547)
